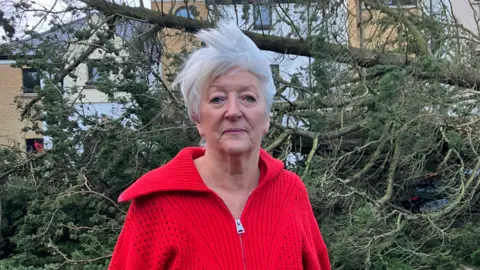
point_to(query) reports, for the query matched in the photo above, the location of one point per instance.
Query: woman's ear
(196, 120)
(200, 130)
(267, 125)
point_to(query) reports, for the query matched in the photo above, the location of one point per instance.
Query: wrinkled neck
(232, 173)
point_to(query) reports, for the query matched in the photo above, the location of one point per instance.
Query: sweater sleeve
(315, 253)
(146, 241)
(320, 248)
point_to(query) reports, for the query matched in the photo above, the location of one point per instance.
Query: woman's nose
(233, 110)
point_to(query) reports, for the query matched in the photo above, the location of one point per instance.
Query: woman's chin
(236, 147)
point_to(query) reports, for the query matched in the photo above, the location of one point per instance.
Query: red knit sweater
(176, 222)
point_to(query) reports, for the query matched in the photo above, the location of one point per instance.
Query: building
(176, 40)
(261, 17)
(19, 84)
(467, 12)
(16, 83)
(367, 25)
(369, 28)
(355, 25)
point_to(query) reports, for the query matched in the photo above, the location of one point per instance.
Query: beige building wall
(11, 82)
(365, 28)
(176, 40)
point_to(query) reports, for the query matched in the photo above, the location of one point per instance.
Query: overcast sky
(28, 19)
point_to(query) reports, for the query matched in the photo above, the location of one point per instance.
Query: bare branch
(370, 163)
(280, 139)
(67, 260)
(59, 77)
(449, 73)
(310, 157)
(422, 43)
(4, 176)
(323, 136)
(0, 217)
(391, 175)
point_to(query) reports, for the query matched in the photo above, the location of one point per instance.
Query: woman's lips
(234, 130)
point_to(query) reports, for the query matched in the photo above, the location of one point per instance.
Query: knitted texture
(176, 222)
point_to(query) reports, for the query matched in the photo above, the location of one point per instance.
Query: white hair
(227, 47)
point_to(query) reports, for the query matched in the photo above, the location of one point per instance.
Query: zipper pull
(239, 225)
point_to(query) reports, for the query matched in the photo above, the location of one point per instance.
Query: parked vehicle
(426, 196)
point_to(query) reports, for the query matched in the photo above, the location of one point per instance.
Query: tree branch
(410, 26)
(322, 136)
(4, 175)
(280, 139)
(391, 174)
(370, 163)
(289, 106)
(463, 189)
(0, 218)
(59, 77)
(67, 260)
(310, 157)
(448, 73)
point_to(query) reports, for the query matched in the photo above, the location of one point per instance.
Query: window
(34, 145)
(31, 78)
(399, 2)
(184, 12)
(93, 73)
(262, 15)
(395, 3)
(227, 2)
(304, 2)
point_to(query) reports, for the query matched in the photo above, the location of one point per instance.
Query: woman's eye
(216, 100)
(250, 99)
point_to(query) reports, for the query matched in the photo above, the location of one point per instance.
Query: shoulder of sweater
(300, 189)
(154, 210)
(152, 200)
(294, 180)
(152, 218)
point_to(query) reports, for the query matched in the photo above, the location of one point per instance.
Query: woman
(228, 204)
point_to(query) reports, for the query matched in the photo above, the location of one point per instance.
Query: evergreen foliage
(373, 143)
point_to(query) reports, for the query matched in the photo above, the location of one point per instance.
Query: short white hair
(227, 47)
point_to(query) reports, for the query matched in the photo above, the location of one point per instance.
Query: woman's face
(232, 114)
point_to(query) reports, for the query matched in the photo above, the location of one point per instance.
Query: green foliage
(60, 206)
(60, 210)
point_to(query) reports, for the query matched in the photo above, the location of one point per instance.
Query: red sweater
(176, 222)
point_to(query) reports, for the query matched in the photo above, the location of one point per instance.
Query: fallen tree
(386, 144)
(444, 72)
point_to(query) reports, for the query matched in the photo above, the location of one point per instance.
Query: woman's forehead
(235, 80)
(228, 86)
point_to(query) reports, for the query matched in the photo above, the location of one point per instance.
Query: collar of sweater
(180, 174)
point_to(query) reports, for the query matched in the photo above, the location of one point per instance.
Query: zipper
(240, 231)
(239, 227)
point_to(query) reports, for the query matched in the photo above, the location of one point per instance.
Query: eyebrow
(242, 89)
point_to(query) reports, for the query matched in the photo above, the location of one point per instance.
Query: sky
(28, 20)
